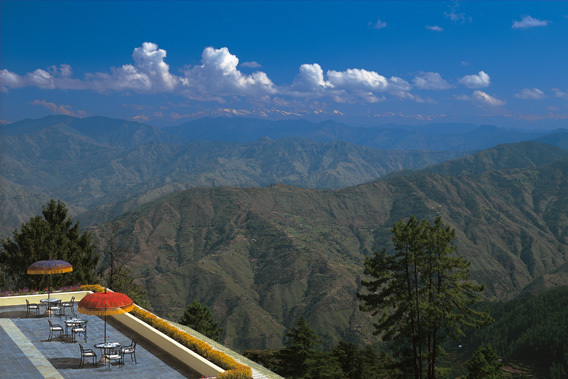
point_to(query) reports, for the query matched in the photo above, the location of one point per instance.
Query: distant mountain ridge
(434, 137)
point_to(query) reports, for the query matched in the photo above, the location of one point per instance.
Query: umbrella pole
(48, 297)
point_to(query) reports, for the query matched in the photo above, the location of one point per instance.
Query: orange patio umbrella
(105, 303)
(49, 267)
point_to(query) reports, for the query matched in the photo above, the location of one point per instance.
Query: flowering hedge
(234, 370)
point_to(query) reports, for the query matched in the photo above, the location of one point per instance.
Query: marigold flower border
(234, 370)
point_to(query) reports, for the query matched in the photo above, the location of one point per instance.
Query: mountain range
(268, 229)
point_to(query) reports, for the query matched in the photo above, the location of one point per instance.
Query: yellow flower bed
(234, 369)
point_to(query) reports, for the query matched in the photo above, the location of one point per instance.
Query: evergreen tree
(200, 318)
(485, 364)
(421, 293)
(301, 359)
(53, 236)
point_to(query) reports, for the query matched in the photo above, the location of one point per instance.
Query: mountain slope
(260, 257)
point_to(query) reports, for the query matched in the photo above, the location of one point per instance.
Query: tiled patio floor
(27, 353)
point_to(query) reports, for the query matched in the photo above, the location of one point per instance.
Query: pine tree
(485, 364)
(200, 318)
(421, 293)
(53, 236)
(301, 358)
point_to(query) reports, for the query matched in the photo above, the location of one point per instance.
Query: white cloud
(10, 80)
(485, 98)
(357, 79)
(252, 64)
(148, 74)
(435, 28)
(398, 84)
(529, 22)
(311, 78)
(218, 76)
(52, 79)
(431, 80)
(378, 24)
(479, 80)
(528, 93)
(560, 94)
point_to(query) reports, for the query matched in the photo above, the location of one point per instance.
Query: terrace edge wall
(186, 356)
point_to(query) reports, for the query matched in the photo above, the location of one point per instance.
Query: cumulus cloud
(529, 22)
(528, 93)
(149, 73)
(55, 77)
(479, 80)
(357, 79)
(435, 28)
(311, 78)
(431, 81)
(10, 80)
(218, 76)
(378, 24)
(482, 98)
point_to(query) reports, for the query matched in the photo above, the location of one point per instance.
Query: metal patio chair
(54, 328)
(31, 307)
(130, 349)
(85, 354)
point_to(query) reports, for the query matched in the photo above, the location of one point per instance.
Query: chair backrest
(81, 347)
(50, 324)
(27, 302)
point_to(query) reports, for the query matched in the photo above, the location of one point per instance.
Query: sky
(503, 63)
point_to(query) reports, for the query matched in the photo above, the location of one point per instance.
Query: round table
(106, 347)
(51, 302)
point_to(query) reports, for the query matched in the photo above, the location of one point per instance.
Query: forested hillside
(531, 331)
(260, 257)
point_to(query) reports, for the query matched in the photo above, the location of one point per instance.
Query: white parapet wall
(21, 300)
(171, 346)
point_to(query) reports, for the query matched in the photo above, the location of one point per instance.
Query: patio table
(71, 323)
(49, 303)
(106, 348)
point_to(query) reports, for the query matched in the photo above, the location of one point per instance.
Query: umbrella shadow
(15, 314)
(65, 363)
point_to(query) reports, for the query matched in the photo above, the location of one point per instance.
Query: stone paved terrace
(27, 353)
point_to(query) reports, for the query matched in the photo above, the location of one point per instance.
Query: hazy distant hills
(432, 137)
(101, 162)
(260, 257)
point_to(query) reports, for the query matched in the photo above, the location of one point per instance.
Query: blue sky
(365, 63)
